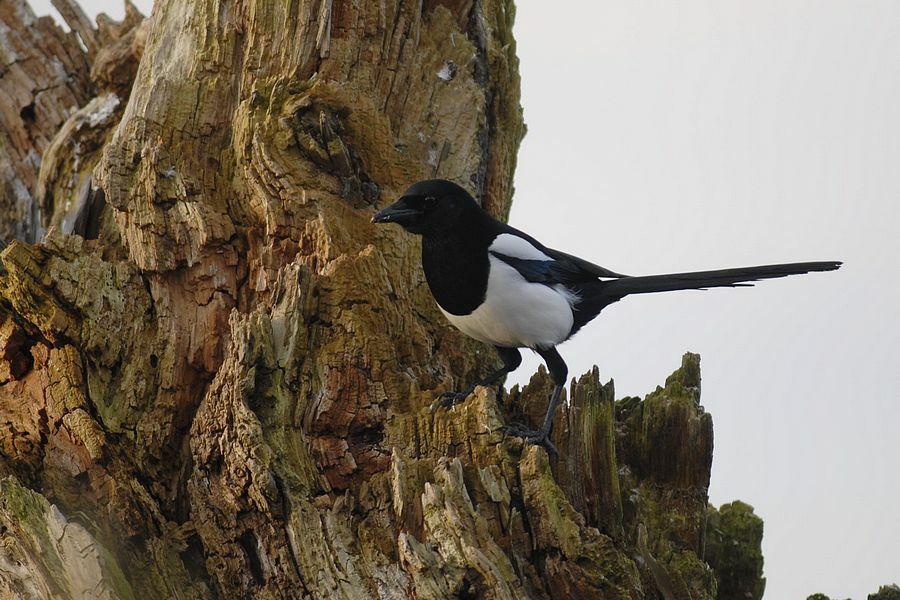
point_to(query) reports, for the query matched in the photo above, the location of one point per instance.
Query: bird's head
(430, 208)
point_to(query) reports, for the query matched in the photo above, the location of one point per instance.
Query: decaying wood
(43, 79)
(220, 376)
(48, 120)
(75, 18)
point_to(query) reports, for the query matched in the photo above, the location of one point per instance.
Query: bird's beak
(396, 213)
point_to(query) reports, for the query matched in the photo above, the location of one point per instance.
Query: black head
(430, 208)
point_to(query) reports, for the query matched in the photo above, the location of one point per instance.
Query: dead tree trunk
(216, 375)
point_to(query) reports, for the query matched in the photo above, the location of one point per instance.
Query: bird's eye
(429, 202)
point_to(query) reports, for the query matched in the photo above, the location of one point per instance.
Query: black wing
(573, 263)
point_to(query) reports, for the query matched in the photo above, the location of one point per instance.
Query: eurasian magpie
(503, 287)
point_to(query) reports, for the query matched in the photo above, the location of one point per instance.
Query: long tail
(596, 296)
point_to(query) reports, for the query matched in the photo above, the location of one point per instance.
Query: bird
(502, 287)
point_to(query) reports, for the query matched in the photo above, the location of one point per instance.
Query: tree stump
(217, 377)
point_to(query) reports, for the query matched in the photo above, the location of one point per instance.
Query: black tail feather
(699, 280)
(595, 296)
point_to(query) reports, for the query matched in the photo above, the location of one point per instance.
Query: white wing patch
(512, 245)
(517, 313)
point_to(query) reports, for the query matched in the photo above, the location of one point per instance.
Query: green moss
(558, 517)
(733, 549)
(886, 592)
(26, 510)
(688, 376)
(694, 574)
(113, 575)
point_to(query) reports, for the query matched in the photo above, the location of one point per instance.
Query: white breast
(516, 313)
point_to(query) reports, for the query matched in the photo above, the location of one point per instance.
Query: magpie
(502, 287)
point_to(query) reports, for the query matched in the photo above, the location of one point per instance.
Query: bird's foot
(449, 399)
(538, 437)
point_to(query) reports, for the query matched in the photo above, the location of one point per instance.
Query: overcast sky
(669, 136)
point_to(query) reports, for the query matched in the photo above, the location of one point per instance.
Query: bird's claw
(538, 437)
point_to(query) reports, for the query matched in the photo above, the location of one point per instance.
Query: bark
(43, 78)
(216, 376)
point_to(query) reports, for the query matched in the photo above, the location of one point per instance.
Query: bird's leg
(558, 371)
(540, 437)
(511, 358)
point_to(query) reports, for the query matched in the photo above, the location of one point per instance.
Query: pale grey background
(667, 136)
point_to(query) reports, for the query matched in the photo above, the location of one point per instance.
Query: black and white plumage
(503, 287)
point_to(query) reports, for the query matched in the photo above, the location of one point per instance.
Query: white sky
(670, 136)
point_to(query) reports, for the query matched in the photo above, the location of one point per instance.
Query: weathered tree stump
(216, 376)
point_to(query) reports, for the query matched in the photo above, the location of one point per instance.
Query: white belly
(516, 313)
